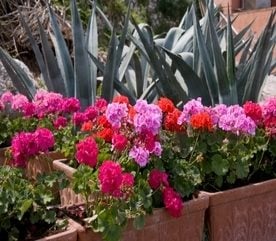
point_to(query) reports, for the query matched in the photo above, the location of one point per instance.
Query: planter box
(160, 226)
(254, 4)
(41, 164)
(3, 159)
(247, 213)
(68, 235)
(67, 195)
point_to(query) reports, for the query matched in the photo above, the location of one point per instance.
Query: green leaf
(104, 17)
(25, 207)
(231, 178)
(242, 169)
(219, 181)
(219, 63)
(82, 77)
(18, 76)
(92, 47)
(206, 166)
(62, 54)
(195, 86)
(219, 165)
(172, 37)
(161, 68)
(122, 39)
(56, 82)
(230, 64)
(110, 70)
(272, 147)
(38, 55)
(139, 222)
(50, 216)
(117, 84)
(261, 60)
(206, 62)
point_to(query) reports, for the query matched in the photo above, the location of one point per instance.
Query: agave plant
(201, 57)
(60, 74)
(195, 59)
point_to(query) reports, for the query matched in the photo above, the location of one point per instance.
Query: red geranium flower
(166, 105)
(254, 111)
(121, 99)
(170, 122)
(201, 120)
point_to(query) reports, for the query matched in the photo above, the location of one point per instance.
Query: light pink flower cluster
(47, 103)
(190, 108)
(148, 118)
(44, 103)
(227, 118)
(131, 129)
(115, 113)
(236, 121)
(26, 145)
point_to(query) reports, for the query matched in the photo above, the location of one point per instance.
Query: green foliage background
(170, 10)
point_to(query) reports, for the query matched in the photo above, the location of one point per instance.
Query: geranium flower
(170, 122)
(172, 201)
(110, 177)
(190, 108)
(115, 112)
(60, 122)
(202, 121)
(87, 152)
(254, 111)
(166, 105)
(140, 155)
(119, 142)
(158, 178)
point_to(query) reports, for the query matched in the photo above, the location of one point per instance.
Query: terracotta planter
(67, 195)
(243, 214)
(68, 235)
(160, 226)
(41, 164)
(3, 159)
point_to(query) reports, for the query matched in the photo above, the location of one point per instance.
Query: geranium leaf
(219, 165)
(139, 222)
(24, 207)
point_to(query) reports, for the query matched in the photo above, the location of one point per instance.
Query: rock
(269, 88)
(5, 80)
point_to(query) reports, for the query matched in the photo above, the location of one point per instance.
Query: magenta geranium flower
(119, 142)
(173, 202)
(87, 152)
(110, 177)
(44, 139)
(158, 178)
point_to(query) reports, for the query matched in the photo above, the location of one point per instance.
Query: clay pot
(247, 213)
(160, 226)
(3, 158)
(67, 195)
(41, 164)
(68, 235)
